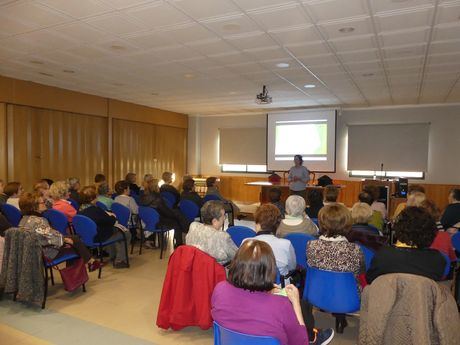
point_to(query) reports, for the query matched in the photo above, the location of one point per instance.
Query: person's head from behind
(298, 160)
(315, 197)
(366, 197)
(373, 190)
(213, 213)
(122, 187)
(454, 196)
(415, 199)
(331, 193)
(254, 267)
(267, 218)
(13, 189)
(412, 188)
(361, 213)
(167, 177)
(131, 177)
(42, 188)
(211, 182)
(31, 203)
(188, 186)
(295, 206)
(2, 186)
(99, 178)
(88, 195)
(59, 190)
(415, 227)
(274, 194)
(151, 186)
(74, 183)
(103, 189)
(334, 220)
(431, 208)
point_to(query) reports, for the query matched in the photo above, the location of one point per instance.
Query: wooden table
(265, 187)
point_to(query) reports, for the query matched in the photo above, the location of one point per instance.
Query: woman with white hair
(296, 221)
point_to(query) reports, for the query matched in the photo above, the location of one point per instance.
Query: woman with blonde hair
(59, 192)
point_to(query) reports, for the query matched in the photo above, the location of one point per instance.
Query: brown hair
(130, 176)
(121, 186)
(11, 188)
(151, 186)
(210, 181)
(254, 267)
(268, 216)
(331, 193)
(40, 185)
(415, 188)
(334, 220)
(87, 194)
(99, 178)
(28, 203)
(431, 208)
(188, 184)
(373, 190)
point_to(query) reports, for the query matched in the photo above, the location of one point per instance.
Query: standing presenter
(298, 177)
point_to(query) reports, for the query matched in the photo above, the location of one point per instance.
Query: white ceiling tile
(404, 51)
(11, 26)
(361, 26)
(267, 54)
(353, 43)
(231, 25)
(445, 47)
(81, 32)
(78, 9)
(401, 63)
(387, 5)
(190, 33)
(88, 52)
(31, 13)
(448, 12)
(213, 48)
(116, 24)
(45, 40)
(175, 53)
(207, 8)
(158, 14)
(258, 4)
(122, 4)
(446, 32)
(444, 58)
(319, 60)
(404, 37)
(297, 35)
(359, 55)
(324, 10)
(404, 20)
(150, 40)
(308, 49)
(364, 66)
(231, 59)
(281, 17)
(251, 41)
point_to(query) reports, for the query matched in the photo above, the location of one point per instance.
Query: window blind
(242, 146)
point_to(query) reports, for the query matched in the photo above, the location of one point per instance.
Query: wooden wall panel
(3, 143)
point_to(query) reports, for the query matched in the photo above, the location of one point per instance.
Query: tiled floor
(118, 309)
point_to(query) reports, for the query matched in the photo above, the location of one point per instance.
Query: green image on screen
(309, 139)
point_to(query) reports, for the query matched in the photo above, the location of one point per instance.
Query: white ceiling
(213, 56)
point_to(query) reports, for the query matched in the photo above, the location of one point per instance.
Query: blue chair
(189, 209)
(86, 228)
(456, 243)
(57, 220)
(74, 204)
(149, 220)
(447, 268)
(168, 202)
(368, 255)
(122, 212)
(239, 233)
(299, 242)
(12, 214)
(210, 197)
(170, 197)
(315, 220)
(375, 231)
(224, 336)
(101, 205)
(333, 292)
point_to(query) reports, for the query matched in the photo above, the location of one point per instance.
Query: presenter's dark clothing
(171, 189)
(451, 215)
(192, 196)
(312, 211)
(104, 222)
(426, 262)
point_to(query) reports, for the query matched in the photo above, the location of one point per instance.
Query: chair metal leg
(142, 238)
(162, 240)
(45, 290)
(126, 249)
(83, 288)
(52, 276)
(101, 258)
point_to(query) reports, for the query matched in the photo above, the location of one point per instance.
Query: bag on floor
(74, 276)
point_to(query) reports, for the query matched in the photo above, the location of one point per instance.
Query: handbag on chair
(74, 276)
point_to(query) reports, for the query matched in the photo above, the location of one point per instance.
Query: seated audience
(451, 216)
(296, 221)
(209, 236)
(374, 191)
(189, 193)
(122, 188)
(376, 218)
(331, 193)
(415, 230)
(74, 188)
(248, 302)
(412, 188)
(267, 218)
(59, 192)
(274, 194)
(103, 195)
(107, 227)
(168, 187)
(53, 242)
(99, 178)
(360, 231)
(212, 185)
(315, 202)
(169, 218)
(131, 178)
(3, 196)
(145, 182)
(13, 190)
(42, 188)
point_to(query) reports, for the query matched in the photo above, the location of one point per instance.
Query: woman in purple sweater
(250, 303)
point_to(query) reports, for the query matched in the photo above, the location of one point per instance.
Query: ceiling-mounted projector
(263, 97)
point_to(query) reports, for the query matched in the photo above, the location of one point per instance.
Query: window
(392, 174)
(248, 168)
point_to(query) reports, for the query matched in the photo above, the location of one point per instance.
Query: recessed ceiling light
(282, 65)
(68, 71)
(346, 29)
(309, 86)
(189, 76)
(231, 27)
(46, 74)
(154, 93)
(117, 84)
(232, 92)
(117, 47)
(36, 62)
(368, 74)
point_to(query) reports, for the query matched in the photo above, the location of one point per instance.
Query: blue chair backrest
(189, 209)
(334, 292)
(149, 217)
(169, 196)
(101, 205)
(374, 229)
(74, 204)
(12, 214)
(315, 220)
(224, 336)
(168, 202)
(86, 228)
(447, 268)
(210, 197)
(239, 233)
(57, 220)
(368, 255)
(299, 242)
(122, 212)
(135, 196)
(456, 241)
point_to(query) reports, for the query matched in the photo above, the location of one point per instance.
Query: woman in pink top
(59, 191)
